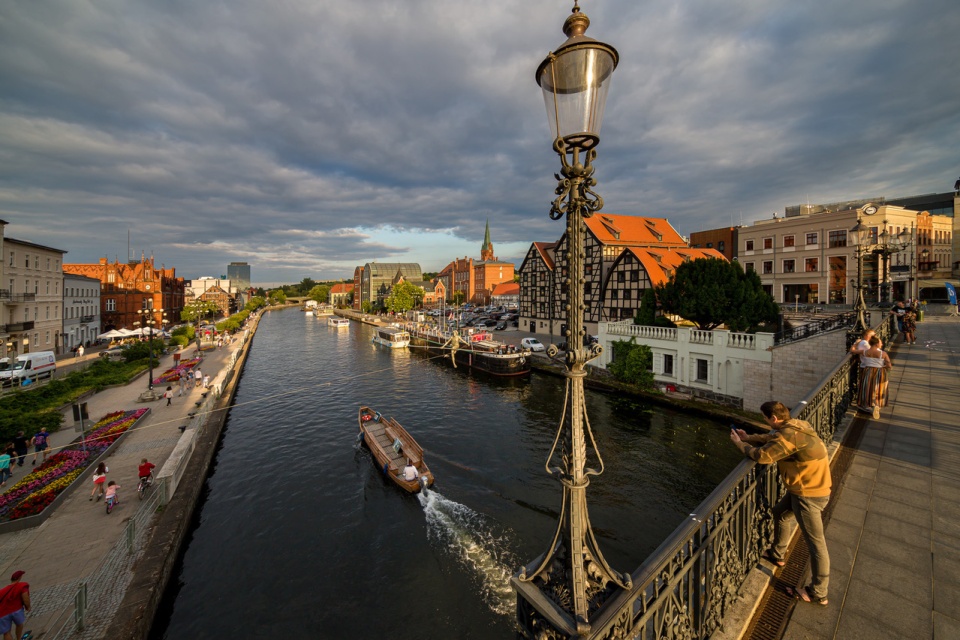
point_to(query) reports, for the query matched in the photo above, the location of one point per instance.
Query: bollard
(80, 605)
(131, 534)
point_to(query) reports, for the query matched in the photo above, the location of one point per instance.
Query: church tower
(486, 251)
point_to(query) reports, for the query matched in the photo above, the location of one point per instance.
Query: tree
(320, 293)
(199, 310)
(402, 297)
(306, 285)
(711, 292)
(365, 306)
(632, 363)
(458, 297)
(278, 296)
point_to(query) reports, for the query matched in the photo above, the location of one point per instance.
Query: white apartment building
(81, 310)
(811, 258)
(32, 297)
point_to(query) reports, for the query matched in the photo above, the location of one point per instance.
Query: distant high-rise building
(239, 274)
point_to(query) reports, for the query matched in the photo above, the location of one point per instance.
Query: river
(299, 536)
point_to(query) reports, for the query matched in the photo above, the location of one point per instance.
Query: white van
(30, 366)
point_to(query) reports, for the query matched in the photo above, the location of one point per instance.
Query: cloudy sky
(308, 136)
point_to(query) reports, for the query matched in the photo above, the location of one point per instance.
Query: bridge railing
(686, 587)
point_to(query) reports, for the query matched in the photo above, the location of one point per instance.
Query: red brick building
(476, 279)
(126, 288)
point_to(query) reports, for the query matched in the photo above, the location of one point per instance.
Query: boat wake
(475, 545)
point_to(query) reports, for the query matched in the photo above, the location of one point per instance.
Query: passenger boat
(391, 447)
(392, 337)
(338, 323)
(477, 351)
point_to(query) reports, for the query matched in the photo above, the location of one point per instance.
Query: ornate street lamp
(889, 245)
(561, 593)
(860, 238)
(149, 322)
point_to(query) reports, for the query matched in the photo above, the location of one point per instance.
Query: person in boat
(410, 472)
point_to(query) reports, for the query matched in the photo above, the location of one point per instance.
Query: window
(635, 276)
(812, 238)
(703, 369)
(789, 266)
(111, 277)
(48, 287)
(614, 294)
(48, 264)
(768, 266)
(587, 288)
(48, 313)
(26, 262)
(788, 241)
(768, 243)
(721, 245)
(749, 245)
(709, 245)
(621, 276)
(626, 294)
(667, 365)
(810, 264)
(748, 266)
(36, 262)
(838, 238)
(111, 304)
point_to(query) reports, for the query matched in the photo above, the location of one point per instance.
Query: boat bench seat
(414, 457)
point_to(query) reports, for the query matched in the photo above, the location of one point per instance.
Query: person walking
(99, 478)
(183, 383)
(80, 352)
(804, 467)
(21, 446)
(910, 325)
(40, 444)
(4, 468)
(198, 377)
(14, 604)
(168, 394)
(858, 349)
(873, 389)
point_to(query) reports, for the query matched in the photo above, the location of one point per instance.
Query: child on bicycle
(111, 492)
(145, 470)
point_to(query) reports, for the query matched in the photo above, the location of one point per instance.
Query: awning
(938, 283)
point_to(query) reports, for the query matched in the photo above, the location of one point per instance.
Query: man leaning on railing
(804, 467)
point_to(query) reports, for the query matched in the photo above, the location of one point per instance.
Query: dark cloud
(307, 137)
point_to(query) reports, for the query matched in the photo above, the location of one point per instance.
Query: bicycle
(144, 485)
(111, 501)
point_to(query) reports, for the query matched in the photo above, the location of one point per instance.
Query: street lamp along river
(561, 593)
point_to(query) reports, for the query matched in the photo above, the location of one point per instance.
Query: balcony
(86, 319)
(16, 298)
(19, 326)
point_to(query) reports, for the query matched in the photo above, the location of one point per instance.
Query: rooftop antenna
(128, 245)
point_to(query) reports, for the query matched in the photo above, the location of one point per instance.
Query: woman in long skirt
(873, 388)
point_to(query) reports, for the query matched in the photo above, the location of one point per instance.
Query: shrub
(632, 363)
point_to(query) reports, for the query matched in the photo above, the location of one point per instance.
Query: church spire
(486, 250)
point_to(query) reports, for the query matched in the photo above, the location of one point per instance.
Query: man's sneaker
(876, 412)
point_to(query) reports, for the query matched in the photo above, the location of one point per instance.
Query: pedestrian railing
(815, 327)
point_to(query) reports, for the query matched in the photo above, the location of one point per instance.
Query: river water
(300, 536)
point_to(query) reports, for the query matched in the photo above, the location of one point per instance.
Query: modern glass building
(239, 274)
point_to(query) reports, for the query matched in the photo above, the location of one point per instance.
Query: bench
(413, 456)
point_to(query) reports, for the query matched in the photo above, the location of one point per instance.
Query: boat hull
(497, 364)
(380, 433)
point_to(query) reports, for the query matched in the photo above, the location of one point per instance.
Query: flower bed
(173, 375)
(39, 488)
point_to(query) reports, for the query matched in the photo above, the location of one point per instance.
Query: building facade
(81, 310)
(239, 274)
(129, 287)
(376, 278)
(340, 294)
(810, 257)
(475, 280)
(608, 295)
(32, 297)
(723, 240)
(506, 294)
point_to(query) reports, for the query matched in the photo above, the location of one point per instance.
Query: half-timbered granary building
(623, 256)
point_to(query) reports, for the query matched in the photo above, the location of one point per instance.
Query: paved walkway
(894, 536)
(78, 538)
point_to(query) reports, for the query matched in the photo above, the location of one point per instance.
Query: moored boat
(392, 447)
(392, 337)
(338, 323)
(476, 351)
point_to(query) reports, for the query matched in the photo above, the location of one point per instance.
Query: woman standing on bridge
(873, 388)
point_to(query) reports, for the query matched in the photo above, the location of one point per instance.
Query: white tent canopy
(110, 335)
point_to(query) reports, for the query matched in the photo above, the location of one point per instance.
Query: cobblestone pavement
(893, 537)
(80, 542)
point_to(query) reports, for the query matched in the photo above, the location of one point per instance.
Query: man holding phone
(804, 466)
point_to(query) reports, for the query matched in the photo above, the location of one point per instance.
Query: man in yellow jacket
(804, 467)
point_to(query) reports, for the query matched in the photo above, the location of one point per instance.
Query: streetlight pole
(860, 236)
(563, 591)
(888, 246)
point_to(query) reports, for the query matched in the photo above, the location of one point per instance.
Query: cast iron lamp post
(563, 592)
(860, 236)
(889, 245)
(148, 321)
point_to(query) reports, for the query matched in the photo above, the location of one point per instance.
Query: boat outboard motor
(423, 483)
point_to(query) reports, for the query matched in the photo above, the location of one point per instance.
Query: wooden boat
(477, 351)
(392, 337)
(392, 446)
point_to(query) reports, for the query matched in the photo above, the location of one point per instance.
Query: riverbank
(81, 554)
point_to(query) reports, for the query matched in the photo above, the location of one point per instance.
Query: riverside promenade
(80, 542)
(894, 530)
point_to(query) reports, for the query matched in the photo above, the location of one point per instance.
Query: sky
(306, 137)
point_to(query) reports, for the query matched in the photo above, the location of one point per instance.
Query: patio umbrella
(110, 335)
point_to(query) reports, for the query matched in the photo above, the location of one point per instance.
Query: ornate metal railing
(815, 327)
(685, 588)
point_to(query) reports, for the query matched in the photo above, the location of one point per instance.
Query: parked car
(486, 323)
(501, 325)
(112, 352)
(533, 344)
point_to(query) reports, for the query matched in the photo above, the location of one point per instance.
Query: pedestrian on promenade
(898, 311)
(21, 446)
(168, 394)
(206, 382)
(910, 325)
(14, 604)
(4, 468)
(79, 352)
(99, 478)
(804, 467)
(198, 377)
(873, 390)
(39, 441)
(858, 349)
(183, 382)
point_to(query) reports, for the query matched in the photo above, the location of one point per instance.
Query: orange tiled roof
(506, 289)
(610, 228)
(543, 248)
(341, 288)
(661, 263)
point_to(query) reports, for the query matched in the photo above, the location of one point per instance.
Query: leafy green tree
(306, 285)
(365, 306)
(199, 310)
(711, 292)
(647, 313)
(632, 363)
(402, 297)
(320, 293)
(278, 296)
(458, 297)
